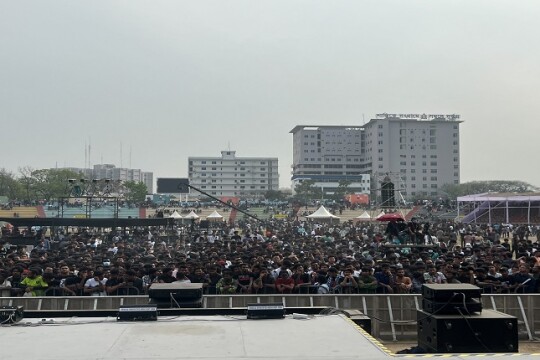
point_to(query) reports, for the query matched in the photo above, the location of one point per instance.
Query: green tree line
(50, 184)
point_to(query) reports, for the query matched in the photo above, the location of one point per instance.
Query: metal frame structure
(482, 207)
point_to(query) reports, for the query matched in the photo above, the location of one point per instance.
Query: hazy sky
(172, 79)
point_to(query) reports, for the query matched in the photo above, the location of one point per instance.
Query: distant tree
(306, 191)
(342, 190)
(135, 191)
(478, 187)
(49, 184)
(9, 186)
(274, 195)
(27, 181)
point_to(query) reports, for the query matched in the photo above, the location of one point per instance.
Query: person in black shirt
(76, 283)
(167, 277)
(213, 278)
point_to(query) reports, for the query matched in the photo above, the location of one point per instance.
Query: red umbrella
(390, 217)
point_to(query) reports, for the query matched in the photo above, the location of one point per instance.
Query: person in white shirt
(95, 286)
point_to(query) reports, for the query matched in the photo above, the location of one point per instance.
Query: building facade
(111, 172)
(229, 175)
(329, 155)
(418, 152)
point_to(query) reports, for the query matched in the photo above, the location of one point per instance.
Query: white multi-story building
(328, 155)
(229, 175)
(111, 172)
(419, 152)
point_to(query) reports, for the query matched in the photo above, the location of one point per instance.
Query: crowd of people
(277, 256)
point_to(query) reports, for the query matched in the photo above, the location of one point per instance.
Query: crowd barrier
(393, 316)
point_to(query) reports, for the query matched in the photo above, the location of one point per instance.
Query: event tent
(191, 215)
(175, 215)
(364, 216)
(322, 213)
(214, 216)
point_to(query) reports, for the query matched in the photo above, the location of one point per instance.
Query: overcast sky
(164, 80)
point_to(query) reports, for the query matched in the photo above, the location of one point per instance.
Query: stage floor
(331, 337)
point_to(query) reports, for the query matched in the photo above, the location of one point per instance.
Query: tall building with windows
(229, 175)
(418, 152)
(329, 155)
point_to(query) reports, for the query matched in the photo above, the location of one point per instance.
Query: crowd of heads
(277, 256)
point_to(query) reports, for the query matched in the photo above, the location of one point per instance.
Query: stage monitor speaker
(359, 319)
(455, 307)
(265, 311)
(137, 313)
(450, 292)
(489, 332)
(176, 294)
(11, 314)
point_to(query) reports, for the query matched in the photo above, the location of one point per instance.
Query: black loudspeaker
(185, 295)
(137, 313)
(452, 307)
(489, 332)
(446, 292)
(11, 314)
(265, 311)
(359, 319)
(387, 193)
(451, 299)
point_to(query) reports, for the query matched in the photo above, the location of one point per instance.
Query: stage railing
(393, 316)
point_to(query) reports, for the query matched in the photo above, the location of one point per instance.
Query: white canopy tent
(322, 213)
(381, 214)
(364, 216)
(191, 215)
(175, 215)
(214, 216)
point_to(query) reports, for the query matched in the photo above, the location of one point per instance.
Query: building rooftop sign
(448, 117)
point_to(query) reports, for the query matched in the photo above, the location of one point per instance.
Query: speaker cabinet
(185, 295)
(452, 307)
(447, 292)
(488, 332)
